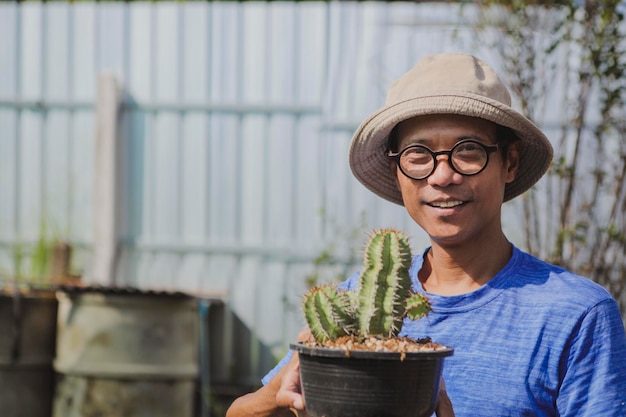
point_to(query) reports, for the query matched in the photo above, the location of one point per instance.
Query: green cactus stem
(385, 284)
(383, 299)
(417, 306)
(328, 313)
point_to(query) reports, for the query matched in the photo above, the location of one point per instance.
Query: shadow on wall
(238, 359)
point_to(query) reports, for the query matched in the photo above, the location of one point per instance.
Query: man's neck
(454, 270)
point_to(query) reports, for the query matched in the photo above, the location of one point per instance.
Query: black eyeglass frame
(489, 149)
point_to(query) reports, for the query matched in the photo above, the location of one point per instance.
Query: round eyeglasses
(467, 157)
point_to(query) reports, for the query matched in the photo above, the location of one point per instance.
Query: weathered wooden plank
(107, 182)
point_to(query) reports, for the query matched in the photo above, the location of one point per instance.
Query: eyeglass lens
(466, 157)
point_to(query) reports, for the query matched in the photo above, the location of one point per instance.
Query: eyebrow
(428, 142)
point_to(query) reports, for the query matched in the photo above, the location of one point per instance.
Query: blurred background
(201, 147)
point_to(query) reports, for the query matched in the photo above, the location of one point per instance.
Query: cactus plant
(383, 299)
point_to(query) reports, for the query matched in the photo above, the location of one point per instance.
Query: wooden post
(106, 207)
(60, 262)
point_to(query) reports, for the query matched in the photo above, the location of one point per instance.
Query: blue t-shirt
(536, 340)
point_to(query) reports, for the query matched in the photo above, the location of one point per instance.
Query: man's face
(453, 208)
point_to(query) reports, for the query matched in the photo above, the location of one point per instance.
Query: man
(530, 339)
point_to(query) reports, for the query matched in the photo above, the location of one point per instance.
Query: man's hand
(290, 392)
(279, 398)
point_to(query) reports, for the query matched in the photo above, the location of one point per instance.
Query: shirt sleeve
(271, 374)
(594, 371)
(348, 284)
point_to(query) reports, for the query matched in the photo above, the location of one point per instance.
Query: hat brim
(370, 165)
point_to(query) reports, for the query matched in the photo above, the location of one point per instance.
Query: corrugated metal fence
(236, 119)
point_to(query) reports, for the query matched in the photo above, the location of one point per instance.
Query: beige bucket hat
(449, 83)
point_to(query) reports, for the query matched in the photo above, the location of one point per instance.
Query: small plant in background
(383, 299)
(325, 258)
(40, 257)
(328, 266)
(41, 262)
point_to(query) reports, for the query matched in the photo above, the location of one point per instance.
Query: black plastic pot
(370, 384)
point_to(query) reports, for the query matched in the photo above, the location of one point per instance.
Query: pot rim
(328, 352)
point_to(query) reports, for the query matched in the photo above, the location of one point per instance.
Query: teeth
(446, 204)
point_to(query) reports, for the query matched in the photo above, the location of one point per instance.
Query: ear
(393, 169)
(511, 164)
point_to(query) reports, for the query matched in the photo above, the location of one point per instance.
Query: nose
(444, 175)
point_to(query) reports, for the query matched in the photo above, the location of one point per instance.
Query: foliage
(32, 262)
(383, 299)
(328, 265)
(577, 217)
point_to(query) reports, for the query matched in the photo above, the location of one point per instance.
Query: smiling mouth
(446, 204)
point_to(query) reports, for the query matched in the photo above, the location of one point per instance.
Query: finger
(298, 413)
(288, 394)
(291, 399)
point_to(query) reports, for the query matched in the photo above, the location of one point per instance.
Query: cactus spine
(384, 295)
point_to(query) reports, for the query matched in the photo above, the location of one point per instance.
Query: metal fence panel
(236, 122)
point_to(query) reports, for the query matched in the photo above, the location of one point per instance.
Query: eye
(469, 151)
(470, 147)
(416, 155)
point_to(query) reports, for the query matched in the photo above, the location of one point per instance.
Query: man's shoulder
(557, 283)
